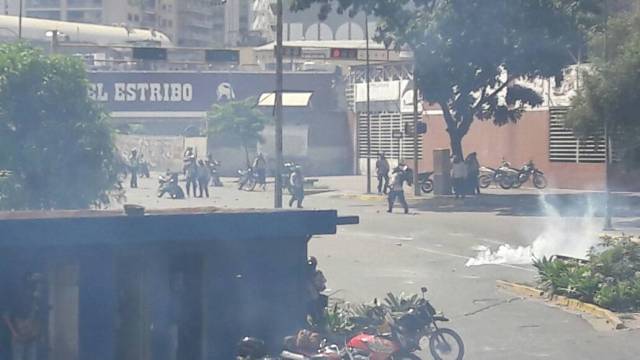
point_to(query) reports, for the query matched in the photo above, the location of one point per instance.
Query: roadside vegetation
(610, 278)
(56, 146)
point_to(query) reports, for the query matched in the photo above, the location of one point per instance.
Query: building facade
(189, 23)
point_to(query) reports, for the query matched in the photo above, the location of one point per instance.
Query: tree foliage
(239, 120)
(610, 90)
(54, 139)
(469, 54)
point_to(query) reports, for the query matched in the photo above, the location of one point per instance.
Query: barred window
(564, 146)
(383, 125)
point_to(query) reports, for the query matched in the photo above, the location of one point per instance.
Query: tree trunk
(246, 153)
(456, 144)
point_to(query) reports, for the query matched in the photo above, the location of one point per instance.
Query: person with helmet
(296, 180)
(401, 174)
(316, 284)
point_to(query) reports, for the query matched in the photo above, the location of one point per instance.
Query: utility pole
(607, 131)
(368, 79)
(277, 201)
(20, 20)
(416, 188)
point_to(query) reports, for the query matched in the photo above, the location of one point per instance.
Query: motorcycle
(425, 182)
(529, 171)
(505, 176)
(169, 184)
(215, 177)
(406, 332)
(247, 179)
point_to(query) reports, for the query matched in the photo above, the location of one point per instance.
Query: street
(429, 247)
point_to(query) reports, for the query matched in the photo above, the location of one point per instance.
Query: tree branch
(492, 94)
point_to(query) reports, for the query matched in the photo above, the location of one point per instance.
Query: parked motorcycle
(247, 179)
(529, 171)
(406, 332)
(213, 168)
(425, 182)
(504, 176)
(168, 184)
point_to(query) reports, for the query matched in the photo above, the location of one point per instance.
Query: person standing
(296, 180)
(134, 164)
(204, 175)
(260, 167)
(398, 178)
(317, 302)
(24, 318)
(191, 171)
(473, 172)
(459, 176)
(382, 170)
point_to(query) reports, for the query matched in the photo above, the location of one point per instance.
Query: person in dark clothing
(134, 164)
(473, 171)
(204, 175)
(316, 302)
(296, 180)
(191, 175)
(382, 171)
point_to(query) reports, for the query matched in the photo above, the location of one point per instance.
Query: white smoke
(561, 236)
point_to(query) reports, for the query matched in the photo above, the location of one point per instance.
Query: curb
(372, 197)
(572, 304)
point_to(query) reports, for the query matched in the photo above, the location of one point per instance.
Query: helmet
(251, 348)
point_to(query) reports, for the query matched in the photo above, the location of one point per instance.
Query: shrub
(611, 277)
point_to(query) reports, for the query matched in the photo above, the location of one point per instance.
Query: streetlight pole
(368, 79)
(416, 188)
(20, 20)
(277, 201)
(607, 132)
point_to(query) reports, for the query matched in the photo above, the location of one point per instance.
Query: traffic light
(421, 127)
(222, 56)
(337, 53)
(149, 53)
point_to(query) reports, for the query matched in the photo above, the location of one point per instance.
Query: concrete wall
(516, 143)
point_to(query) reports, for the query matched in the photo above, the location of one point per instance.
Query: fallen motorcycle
(247, 179)
(168, 184)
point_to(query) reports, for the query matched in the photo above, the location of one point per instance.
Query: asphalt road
(429, 247)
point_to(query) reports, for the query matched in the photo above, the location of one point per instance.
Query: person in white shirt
(459, 176)
(399, 175)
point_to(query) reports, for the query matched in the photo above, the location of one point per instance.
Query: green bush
(611, 277)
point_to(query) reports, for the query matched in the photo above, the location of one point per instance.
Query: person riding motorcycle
(260, 167)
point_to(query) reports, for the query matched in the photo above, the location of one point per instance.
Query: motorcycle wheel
(178, 193)
(251, 183)
(485, 181)
(441, 345)
(539, 181)
(505, 182)
(427, 186)
(516, 183)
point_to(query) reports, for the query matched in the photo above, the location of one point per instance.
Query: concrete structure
(178, 284)
(540, 135)
(39, 31)
(191, 23)
(176, 103)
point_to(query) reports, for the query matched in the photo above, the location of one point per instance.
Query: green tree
(470, 53)
(54, 139)
(240, 121)
(610, 89)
